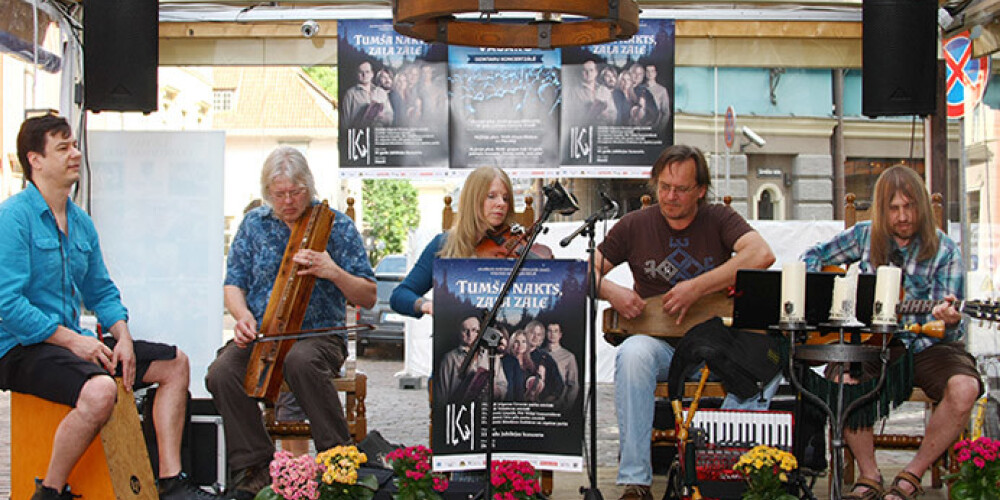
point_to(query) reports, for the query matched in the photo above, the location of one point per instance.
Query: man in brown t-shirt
(684, 249)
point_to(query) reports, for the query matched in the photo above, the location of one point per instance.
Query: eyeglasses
(681, 190)
(291, 194)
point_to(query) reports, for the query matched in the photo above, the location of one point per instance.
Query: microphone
(560, 200)
(608, 211)
(611, 208)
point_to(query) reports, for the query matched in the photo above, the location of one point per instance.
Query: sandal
(874, 490)
(909, 477)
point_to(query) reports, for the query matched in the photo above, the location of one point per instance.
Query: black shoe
(180, 487)
(249, 482)
(46, 493)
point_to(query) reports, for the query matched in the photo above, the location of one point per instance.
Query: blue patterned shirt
(933, 278)
(47, 274)
(255, 258)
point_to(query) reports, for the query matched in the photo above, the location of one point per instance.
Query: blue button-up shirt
(930, 279)
(45, 274)
(255, 258)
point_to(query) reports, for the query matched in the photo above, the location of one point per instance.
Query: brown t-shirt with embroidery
(661, 257)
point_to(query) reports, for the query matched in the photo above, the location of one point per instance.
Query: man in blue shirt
(53, 263)
(343, 273)
(902, 234)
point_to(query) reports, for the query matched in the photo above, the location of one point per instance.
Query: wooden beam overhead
(768, 29)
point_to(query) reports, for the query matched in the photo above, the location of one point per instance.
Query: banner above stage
(409, 109)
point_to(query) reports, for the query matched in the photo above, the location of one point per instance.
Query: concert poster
(617, 98)
(537, 389)
(393, 98)
(504, 107)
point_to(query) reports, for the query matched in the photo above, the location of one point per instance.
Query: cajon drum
(114, 466)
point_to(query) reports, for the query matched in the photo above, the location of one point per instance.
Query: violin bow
(314, 332)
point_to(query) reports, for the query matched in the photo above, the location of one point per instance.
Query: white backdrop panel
(157, 204)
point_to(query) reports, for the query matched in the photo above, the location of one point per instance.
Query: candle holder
(841, 353)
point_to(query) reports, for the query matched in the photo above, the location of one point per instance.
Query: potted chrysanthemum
(766, 471)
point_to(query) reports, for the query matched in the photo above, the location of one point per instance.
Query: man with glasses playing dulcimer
(685, 249)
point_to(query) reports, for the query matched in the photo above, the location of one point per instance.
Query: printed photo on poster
(537, 374)
(393, 97)
(504, 107)
(617, 98)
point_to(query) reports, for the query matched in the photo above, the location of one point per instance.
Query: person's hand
(427, 307)
(93, 350)
(124, 353)
(245, 331)
(533, 388)
(624, 300)
(315, 263)
(680, 298)
(946, 311)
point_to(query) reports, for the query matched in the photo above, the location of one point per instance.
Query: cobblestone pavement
(402, 416)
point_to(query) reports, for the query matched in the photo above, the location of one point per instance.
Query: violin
(510, 242)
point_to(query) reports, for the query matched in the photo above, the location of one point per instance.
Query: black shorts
(932, 367)
(54, 373)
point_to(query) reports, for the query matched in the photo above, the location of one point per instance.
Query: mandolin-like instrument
(655, 322)
(287, 305)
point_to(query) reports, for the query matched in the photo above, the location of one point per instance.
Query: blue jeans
(640, 363)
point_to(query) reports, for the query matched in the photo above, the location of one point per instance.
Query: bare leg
(169, 409)
(945, 425)
(862, 444)
(79, 428)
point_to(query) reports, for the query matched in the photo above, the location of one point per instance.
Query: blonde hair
(470, 222)
(290, 163)
(524, 359)
(901, 179)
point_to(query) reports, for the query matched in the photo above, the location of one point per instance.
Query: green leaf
(267, 494)
(368, 482)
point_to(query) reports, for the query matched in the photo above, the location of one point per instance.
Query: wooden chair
(353, 384)
(853, 214)
(524, 218)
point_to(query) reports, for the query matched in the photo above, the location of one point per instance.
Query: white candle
(793, 292)
(845, 290)
(887, 280)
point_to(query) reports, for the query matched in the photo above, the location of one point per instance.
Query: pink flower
(979, 462)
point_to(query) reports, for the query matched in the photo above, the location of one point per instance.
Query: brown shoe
(636, 492)
(250, 481)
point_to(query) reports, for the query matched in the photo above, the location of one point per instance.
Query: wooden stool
(355, 389)
(114, 466)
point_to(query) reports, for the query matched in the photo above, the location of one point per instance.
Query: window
(222, 99)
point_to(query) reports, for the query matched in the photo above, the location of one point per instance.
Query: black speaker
(899, 57)
(120, 54)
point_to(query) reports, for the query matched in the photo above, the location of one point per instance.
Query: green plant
(389, 214)
(766, 471)
(978, 476)
(413, 477)
(333, 475)
(514, 480)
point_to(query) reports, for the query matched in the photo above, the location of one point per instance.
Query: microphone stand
(587, 229)
(489, 339)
